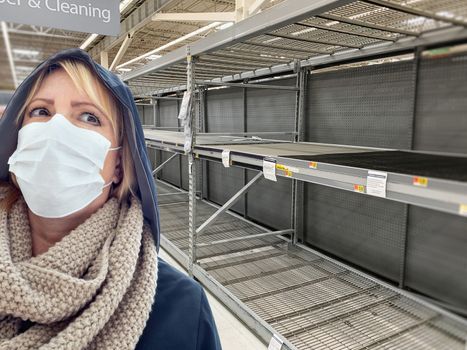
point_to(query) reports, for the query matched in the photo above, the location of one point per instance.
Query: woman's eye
(39, 112)
(90, 118)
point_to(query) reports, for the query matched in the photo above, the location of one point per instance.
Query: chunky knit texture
(92, 290)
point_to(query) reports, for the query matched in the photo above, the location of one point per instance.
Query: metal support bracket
(259, 235)
(229, 203)
(159, 168)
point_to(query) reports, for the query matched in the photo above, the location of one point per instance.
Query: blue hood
(134, 132)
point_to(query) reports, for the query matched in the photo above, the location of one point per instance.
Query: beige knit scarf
(93, 290)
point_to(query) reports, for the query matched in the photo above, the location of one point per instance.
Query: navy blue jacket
(180, 317)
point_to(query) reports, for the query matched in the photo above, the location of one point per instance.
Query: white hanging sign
(376, 183)
(226, 158)
(269, 169)
(89, 16)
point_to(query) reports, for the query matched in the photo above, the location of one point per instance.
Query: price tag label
(275, 343)
(226, 158)
(359, 188)
(288, 171)
(463, 209)
(376, 183)
(313, 165)
(420, 181)
(269, 169)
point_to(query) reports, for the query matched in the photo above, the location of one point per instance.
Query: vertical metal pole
(191, 170)
(157, 123)
(180, 163)
(154, 102)
(405, 237)
(245, 129)
(298, 186)
(203, 120)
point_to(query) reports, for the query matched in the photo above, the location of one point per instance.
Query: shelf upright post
(298, 186)
(191, 166)
(154, 102)
(157, 154)
(202, 121)
(245, 129)
(404, 240)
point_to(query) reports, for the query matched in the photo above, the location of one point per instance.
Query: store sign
(89, 16)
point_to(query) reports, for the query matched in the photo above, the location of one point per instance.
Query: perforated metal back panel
(146, 114)
(437, 244)
(367, 106)
(364, 106)
(225, 112)
(168, 118)
(436, 255)
(441, 123)
(269, 202)
(271, 110)
(223, 183)
(363, 230)
(168, 113)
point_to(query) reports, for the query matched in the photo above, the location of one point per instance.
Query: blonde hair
(87, 83)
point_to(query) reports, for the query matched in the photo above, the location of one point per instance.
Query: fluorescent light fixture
(153, 57)
(88, 41)
(271, 40)
(332, 23)
(364, 14)
(124, 4)
(446, 14)
(25, 52)
(172, 43)
(225, 25)
(124, 69)
(303, 31)
(416, 21)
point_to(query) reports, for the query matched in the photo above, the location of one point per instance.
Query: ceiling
(31, 45)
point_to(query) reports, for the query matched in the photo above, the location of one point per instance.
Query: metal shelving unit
(442, 188)
(273, 283)
(310, 300)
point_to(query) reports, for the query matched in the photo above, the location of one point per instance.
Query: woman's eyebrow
(49, 101)
(82, 103)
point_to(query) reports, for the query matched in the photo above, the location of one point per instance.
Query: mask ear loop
(111, 149)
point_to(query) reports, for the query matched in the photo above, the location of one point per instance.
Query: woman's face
(58, 94)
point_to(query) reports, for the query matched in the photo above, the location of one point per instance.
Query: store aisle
(233, 333)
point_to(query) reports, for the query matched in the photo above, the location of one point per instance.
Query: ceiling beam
(105, 59)
(195, 17)
(121, 52)
(284, 13)
(256, 6)
(6, 38)
(172, 43)
(134, 22)
(242, 9)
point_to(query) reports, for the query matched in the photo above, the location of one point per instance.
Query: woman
(79, 225)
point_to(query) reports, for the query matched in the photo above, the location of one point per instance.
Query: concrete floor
(233, 333)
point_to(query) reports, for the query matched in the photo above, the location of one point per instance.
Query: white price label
(275, 343)
(376, 183)
(269, 169)
(226, 158)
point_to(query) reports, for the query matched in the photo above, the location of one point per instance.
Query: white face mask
(57, 166)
